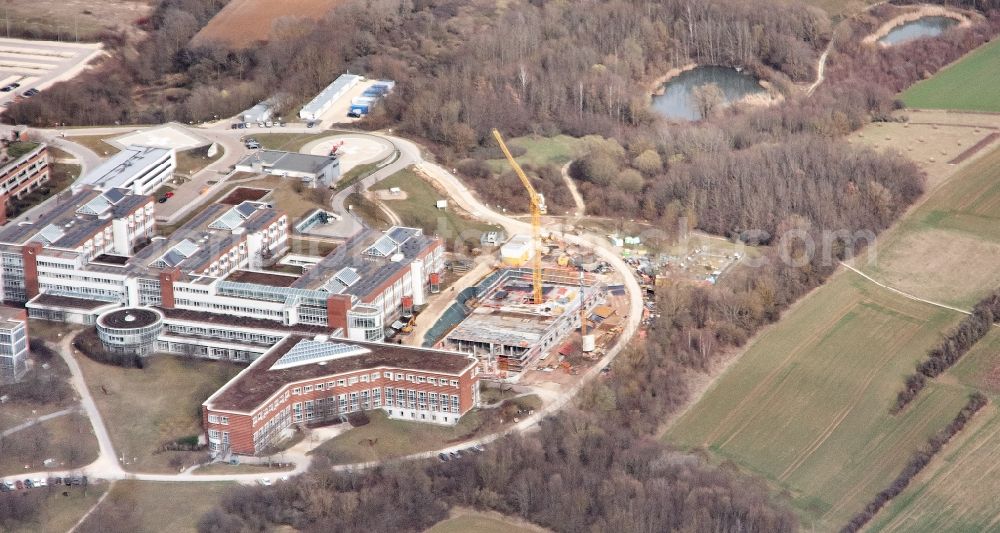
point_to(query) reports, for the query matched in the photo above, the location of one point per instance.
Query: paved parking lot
(337, 114)
(39, 64)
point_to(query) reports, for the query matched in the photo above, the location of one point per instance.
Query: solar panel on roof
(348, 276)
(246, 208)
(51, 233)
(96, 206)
(186, 247)
(308, 351)
(401, 235)
(115, 195)
(383, 247)
(334, 286)
(231, 220)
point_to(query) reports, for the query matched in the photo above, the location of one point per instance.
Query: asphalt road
(107, 465)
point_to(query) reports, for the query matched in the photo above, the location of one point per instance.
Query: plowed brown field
(244, 22)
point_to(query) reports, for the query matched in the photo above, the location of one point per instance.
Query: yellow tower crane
(537, 207)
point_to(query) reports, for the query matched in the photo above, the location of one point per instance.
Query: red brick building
(306, 381)
(22, 175)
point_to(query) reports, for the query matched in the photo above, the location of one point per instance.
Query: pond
(678, 103)
(918, 29)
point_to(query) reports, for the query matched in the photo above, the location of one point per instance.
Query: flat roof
(343, 81)
(68, 302)
(260, 381)
(497, 327)
(69, 223)
(129, 318)
(12, 314)
(123, 166)
(278, 161)
(372, 271)
(272, 279)
(218, 319)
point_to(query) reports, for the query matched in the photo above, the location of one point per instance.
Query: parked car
(28, 484)
(479, 447)
(67, 481)
(7, 88)
(39, 482)
(444, 457)
(265, 481)
(235, 126)
(30, 92)
(310, 124)
(4, 487)
(19, 484)
(55, 481)
(83, 480)
(170, 194)
(162, 200)
(253, 145)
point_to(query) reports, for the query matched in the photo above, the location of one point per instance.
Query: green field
(479, 523)
(155, 506)
(62, 508)
(969, 84)
(958, 490)
(419, 209)
(384, 437)
(947, 250)
(149, 407)
(539, 151)
(806, 407)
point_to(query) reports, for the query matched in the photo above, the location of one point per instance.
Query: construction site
(535, 310)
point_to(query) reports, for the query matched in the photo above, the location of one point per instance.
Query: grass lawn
(538, 151)
(369, 211)
(174, 507)
(947, 250)
(290, 142)
(146, 408)
(464, 521)
(62, 508)
(61, 176)
(289, 195)
(384, 438)
(190, 162)
(806, 407)
(96, 143)
(304, 246)
(69, 439)
(419, 209)
(359, 172)
(969, 84)
(226, 468)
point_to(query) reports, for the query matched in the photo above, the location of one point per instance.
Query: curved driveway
(107, 465)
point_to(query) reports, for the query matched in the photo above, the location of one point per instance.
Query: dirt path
(820, 69)
(92, 509)
(430, 316)
(581, 208)
(904, 294)
(43, 418)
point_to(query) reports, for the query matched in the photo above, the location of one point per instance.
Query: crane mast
(536, 219)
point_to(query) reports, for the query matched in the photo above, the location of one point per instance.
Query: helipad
(166, 136)
(355, 150)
